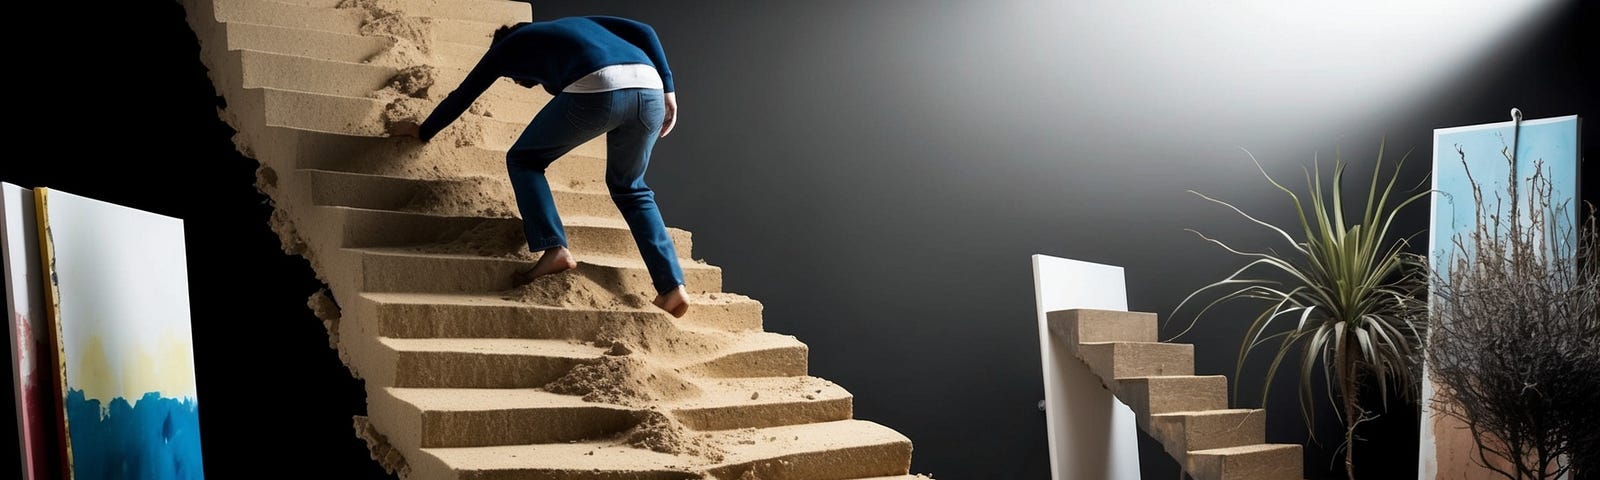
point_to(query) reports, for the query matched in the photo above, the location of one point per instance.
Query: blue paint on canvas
(155, 438)
(1550, 144)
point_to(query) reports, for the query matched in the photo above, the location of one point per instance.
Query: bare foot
(675, 302)
(554, 260)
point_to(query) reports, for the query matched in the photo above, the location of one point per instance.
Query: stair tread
(1195, 413)
(495, 346)
(1136, 343)
(1245, 449)
(715, 393)
(477, 300)
(740, 446)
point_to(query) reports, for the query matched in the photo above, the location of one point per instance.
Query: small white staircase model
(1187, 413)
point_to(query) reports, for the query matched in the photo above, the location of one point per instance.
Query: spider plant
(1344, 293)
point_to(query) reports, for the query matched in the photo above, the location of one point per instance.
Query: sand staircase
(467, 375)
(1187, 413)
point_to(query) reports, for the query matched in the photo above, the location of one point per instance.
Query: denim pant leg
(567, 121)
(627, 155)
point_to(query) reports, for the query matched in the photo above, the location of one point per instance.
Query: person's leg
(563, 124)
(627, 156)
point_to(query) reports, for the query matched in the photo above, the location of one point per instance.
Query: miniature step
(1148, 396)
(1086, 325)
(1113, 360)
(1182, 432)
(1250, 462)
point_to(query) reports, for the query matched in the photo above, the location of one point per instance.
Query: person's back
(610, 77)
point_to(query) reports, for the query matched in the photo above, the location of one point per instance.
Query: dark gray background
(877, 173)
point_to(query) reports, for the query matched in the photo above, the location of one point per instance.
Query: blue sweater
(554, 54)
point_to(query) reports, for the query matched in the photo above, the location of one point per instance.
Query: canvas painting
(119, 291)
(32, 377)
(1550, 145)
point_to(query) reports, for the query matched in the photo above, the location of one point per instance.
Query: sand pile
(662, 433)
(413, 36)
(474, 196)
(622, 380)
(574, 289)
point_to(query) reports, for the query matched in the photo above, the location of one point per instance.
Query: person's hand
(404, 129)
(671, 118)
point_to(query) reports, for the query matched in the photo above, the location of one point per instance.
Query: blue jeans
(631, 120)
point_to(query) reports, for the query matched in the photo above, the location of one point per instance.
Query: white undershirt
(617, 77)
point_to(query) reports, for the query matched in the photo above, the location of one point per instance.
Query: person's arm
(644, 37)
(478, 80)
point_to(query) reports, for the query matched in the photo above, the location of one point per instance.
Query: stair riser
(396, 273)
(1177, 394)
(403, 194)
(777, 362)
(1121, 360)
(342, 20)
(1179, 435)
(1274, 464)
(1078, 326)
(453, 321)
(477, 370)
(512, 104)
(843, 464)
(287, 149)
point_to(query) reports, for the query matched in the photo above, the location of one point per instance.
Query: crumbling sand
(623, 380)
(660, 432)
(413, 81)
(323, 306)
(378, 445)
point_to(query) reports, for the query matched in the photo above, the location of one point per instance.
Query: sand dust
(574, 289)
(418, 31)
(623, 380)
(660, 432)
(385, 454)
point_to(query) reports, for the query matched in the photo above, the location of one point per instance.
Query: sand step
(436, 315)
(1113, 360)
(754, 354)
(497, 236)
(1148, 396)
(1181, 432)
(348, 20)
(511, 103)
(532, 363)
(1250, 462)
(476, 195)
(478, 417)
(1086, 325)
(488, 417)
(474, 363)
(582, 170)
(477, 10)
(821, 451)
(363, 117)
(332, 46)
(410, 270)
(761, 402)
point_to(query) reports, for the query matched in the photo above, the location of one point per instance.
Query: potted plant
(1342, 292)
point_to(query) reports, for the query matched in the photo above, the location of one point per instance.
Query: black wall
(877, 173)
